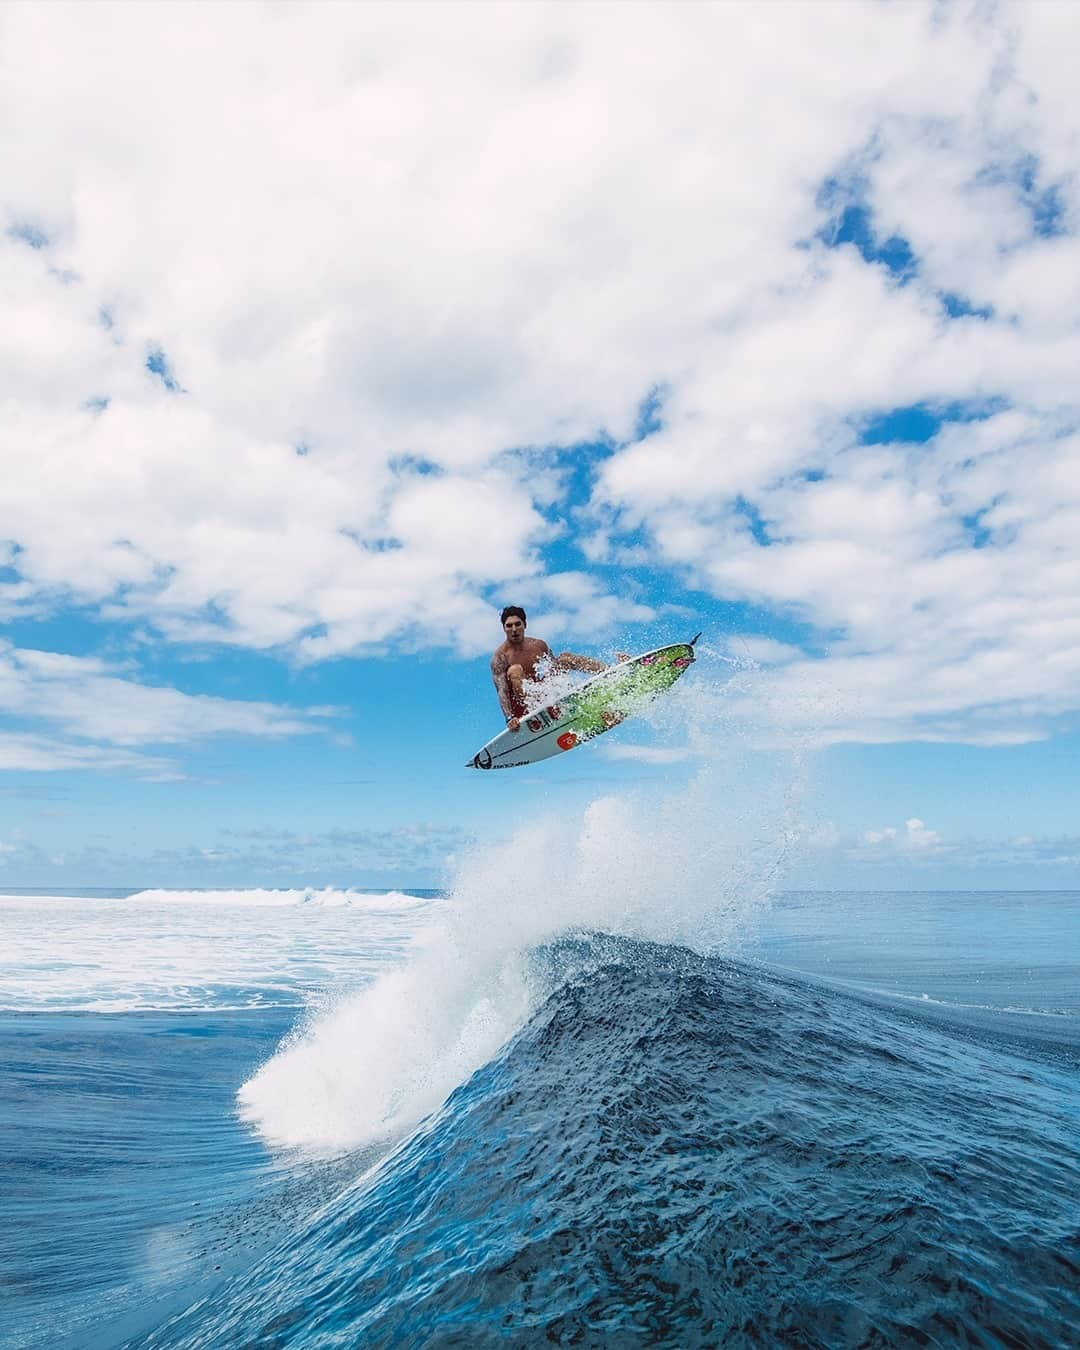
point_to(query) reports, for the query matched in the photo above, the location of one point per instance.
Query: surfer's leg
(514, 678)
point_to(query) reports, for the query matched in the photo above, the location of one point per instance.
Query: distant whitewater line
(328, 896)
(165, 950)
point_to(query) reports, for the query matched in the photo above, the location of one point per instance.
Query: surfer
(522, 658)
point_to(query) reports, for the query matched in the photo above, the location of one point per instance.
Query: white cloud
(409, 240)
(97, 715)
(913, 838)
(911, 854)
(907, 843)
(419, 853)
(745, 648)
(43, 754)
(646, 754)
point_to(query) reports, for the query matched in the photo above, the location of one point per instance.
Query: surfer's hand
(622, 656)
(513, 723)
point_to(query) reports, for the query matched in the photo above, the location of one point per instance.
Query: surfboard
(593, 707)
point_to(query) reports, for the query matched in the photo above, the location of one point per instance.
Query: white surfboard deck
(593, 707)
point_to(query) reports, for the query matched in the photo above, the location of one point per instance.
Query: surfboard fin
(694, 639)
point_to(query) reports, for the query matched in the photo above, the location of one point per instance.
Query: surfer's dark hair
(512, 610)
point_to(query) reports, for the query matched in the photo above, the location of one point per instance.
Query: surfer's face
(514, 628)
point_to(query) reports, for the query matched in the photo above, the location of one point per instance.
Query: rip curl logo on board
(482, 759)
(567, 740)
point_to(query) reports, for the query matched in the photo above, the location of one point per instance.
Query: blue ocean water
(319, 1119)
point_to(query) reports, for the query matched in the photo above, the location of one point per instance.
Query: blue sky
(311, 363)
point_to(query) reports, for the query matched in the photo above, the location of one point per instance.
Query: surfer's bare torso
(512, 664)
(527, 655)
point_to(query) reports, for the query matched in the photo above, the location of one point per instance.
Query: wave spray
(685, 866)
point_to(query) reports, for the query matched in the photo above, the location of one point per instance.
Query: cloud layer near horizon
(304, 307)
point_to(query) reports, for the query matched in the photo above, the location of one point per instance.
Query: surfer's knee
(515, 674)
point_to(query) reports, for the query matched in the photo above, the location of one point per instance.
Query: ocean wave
(256, 898)
(327, 897)
(923, 999)
(190, 950)
(685, 1151)
(679, 871)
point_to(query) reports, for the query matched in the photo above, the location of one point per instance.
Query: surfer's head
(513, 622)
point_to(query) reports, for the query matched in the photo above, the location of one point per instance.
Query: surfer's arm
(572, 661)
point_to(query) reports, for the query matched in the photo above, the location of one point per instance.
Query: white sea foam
(187, 950)
(680, 867)
(326, 898)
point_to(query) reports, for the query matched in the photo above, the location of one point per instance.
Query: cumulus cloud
(296, 349)
(913, 838)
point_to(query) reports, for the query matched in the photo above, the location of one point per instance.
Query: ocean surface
(633, 1109)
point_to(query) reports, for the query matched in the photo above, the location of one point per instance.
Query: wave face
(681, 1150)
